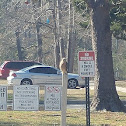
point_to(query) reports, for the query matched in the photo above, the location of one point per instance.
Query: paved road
(117, 88)
(121, 89)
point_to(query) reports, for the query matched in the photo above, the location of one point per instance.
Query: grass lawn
(75, 117)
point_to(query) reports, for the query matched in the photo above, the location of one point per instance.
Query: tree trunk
(57, 54)
(71, 51)
(39, 37)
(71, 39)
(105, 96)
(62, 51)
(18, 45)
(56, 33)
(36, 4)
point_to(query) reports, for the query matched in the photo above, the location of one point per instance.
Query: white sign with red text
(52, 99)
(86, 64)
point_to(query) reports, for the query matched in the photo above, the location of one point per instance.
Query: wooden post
(64, 99)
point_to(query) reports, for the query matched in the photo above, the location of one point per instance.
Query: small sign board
(3, 98)
(52, 100)
(26, 98)
(86, 64)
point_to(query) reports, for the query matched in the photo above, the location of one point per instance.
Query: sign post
(87, 101)
(86, 67)
(64, 99)
(3, 98)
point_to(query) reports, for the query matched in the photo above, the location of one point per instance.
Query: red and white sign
(52, 98)
(86, 64)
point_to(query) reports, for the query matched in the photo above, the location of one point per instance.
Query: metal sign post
(87, 101)
(86, 67)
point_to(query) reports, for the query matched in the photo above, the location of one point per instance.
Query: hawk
(63, 65)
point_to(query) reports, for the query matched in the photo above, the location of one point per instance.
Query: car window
(45, 70)
(20, 65)
(12, 65)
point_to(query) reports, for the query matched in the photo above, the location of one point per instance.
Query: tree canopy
(117, 16)
(118, 19)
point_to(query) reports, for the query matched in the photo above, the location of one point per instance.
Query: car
(42, 74)
(7, 66)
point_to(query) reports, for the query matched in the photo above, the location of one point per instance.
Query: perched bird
(63, 65)
(26, 2)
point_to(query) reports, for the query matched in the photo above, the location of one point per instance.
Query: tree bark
(18, 45)
(71, 39)
(105, 96)
(62, 51)
(56, 33)
(36, 4)
(57, 54)
(71, 50)
(39, 37)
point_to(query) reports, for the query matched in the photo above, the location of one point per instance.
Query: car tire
(26, 82)
(72, 83)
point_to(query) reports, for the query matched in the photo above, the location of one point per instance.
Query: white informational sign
(26, 98)
(86, 64)
(52, 98)
(3, 98)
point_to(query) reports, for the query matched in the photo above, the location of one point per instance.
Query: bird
(63, 65)
(26, 2)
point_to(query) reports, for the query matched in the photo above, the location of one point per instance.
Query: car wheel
(26, 82)
(72, 83)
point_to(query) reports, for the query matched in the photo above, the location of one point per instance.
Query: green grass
(75, 117)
